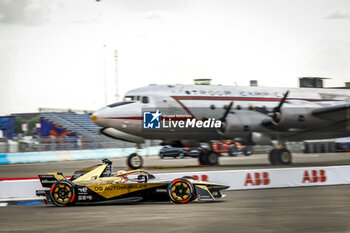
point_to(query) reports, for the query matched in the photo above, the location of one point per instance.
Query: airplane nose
(94, 118)
(113, 114)
(99, 120)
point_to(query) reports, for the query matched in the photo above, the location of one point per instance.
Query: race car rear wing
(49, 179)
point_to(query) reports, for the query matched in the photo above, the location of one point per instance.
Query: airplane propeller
(275, 114)
(223, 118)
(228, 109)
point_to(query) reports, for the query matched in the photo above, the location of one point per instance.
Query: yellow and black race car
(99, 185)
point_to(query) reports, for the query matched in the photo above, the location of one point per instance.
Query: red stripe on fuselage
(141, 118)
(123, 118)
(240, 98)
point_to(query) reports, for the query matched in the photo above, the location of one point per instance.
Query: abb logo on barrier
(201, 177)
(314, 176)
(257, 178)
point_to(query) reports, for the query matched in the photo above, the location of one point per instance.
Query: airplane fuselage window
(145, 100)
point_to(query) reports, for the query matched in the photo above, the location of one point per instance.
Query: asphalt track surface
(307, 209)
(157, 165)
(304, 209)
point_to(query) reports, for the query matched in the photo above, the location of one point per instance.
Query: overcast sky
(52, 52)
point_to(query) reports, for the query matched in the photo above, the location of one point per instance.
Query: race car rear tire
(62, 193)
(135, 161)
(232, 151)
(181, 191)
(247, 151)
(201, 157)
(181, 155)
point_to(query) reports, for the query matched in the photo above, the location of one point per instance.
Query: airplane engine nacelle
(259, 139)
(298, 118)
(242, 124)
(117, 134)
(190, 143)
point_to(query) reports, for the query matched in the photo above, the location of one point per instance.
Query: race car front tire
(191, 178)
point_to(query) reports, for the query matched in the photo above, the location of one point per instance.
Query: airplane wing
(334, 113)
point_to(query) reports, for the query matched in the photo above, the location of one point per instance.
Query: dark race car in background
(179, 152)
(232, 148)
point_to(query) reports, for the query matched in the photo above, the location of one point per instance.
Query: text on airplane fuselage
(231, 93)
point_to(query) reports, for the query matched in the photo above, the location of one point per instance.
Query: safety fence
(37, 144)
(50, 156)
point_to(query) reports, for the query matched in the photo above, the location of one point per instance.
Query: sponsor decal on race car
(113, 190)
(85, 198)
(82, 190)
(161, 190)
(45, 181)
(118, 187)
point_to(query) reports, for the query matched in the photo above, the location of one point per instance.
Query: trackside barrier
(49, 156)
(236, 179)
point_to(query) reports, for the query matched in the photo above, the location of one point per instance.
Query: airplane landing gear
(134, 160)
(209, 157)
(280, 156)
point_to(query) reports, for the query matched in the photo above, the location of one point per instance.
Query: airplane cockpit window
(129, 98)
(134, 98)
(119, 104)
(145, 100)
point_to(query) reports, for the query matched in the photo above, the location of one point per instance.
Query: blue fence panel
(3, 159)
(32, 157)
